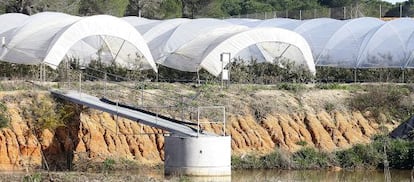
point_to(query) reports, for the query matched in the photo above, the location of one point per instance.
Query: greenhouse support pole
(119, 50)
(380, 10)
(198, 76)
(355, 75)
(344, 12)
(329, 13)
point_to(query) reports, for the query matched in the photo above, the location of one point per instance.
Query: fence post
(105, 79)
(224, 121)
(380, 10)
(198, 121)
(329, 13)
(344, 12)
(80, 84)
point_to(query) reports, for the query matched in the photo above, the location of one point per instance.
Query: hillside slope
(257, 120)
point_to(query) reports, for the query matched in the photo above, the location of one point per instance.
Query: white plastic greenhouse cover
(391, 46)
(204, 51)
(158, 35)
(11, 20)
(187, 32)
(136, 21)
(316, 31)
(240, 41)
(343, 48)
(242, 21)
(285, 23)
(47, 37)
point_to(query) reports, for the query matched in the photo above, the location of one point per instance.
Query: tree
(18, 6)
(190, 8)
(232, 7)
(145, 8)
(111, 7)
(251, 6)
(407, 9)
(171, 8)
(338, 3)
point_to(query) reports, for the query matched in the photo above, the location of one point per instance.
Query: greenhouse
(140, 43)
(11, 20)
(177, 43)
(49, 37)
(181, 44)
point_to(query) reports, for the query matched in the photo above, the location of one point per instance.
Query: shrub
(246, 162)
(36, 177)
(291, 87)
(276, 159)
(310, 158)
(360, 156)
(302, 143)
(331, 86)
(108, 164)
(329, 107)
(401, 154)
(388, 99)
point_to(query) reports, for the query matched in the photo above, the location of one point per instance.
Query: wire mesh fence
(341, 13)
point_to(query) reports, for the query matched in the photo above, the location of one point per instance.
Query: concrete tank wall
(198, 156)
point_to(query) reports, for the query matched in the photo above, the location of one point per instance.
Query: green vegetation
(108, 164)
(158, 9)
(392, 100)
(360, 156)
(4, 119)
(49, 115)
(35, 177)
(332, 86)
(310, 158)
(399, 154)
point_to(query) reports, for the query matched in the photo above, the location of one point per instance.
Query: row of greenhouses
(209, 44)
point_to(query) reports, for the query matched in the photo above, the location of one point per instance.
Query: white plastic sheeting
(316, 31)
(48, 37)
(268, 41)
(392, 45)
(11, 20)
(343, 48)
(190, 45)
(159, 34)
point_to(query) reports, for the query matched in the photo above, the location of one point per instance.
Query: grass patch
(392, 100)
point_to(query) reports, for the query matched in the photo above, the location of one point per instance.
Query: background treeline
(159, 9)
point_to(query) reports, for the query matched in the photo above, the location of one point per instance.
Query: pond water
(306, 175)
(237, 175)
(318, 175)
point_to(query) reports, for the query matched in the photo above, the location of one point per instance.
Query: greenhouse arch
(48, 37)
(240, 41)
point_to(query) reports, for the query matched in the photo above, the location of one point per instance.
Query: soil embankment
(269, 119)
